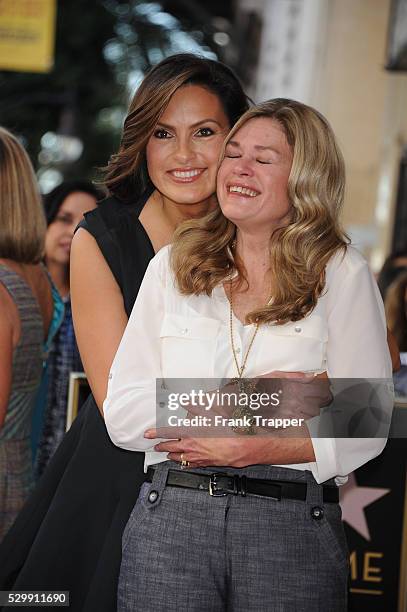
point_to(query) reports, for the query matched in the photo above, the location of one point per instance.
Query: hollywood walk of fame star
(354, 500)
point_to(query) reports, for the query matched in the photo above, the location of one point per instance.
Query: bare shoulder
(8, 309)
(89, 268)
(84, 245)
(9, 318)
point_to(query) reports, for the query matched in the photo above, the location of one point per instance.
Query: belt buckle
(213, 490)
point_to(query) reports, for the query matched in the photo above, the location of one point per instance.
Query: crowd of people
(218, 253)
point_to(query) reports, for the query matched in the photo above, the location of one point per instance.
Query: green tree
(102, 50)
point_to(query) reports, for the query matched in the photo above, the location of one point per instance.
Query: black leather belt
(219, 484)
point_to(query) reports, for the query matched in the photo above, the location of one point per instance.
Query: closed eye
(263, 161)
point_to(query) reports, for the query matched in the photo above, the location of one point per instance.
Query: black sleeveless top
(68, 535)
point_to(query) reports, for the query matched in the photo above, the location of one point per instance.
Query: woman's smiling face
(253, 176)
(60, 232)
(182, 153)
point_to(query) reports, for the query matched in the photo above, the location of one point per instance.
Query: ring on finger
(184, 462)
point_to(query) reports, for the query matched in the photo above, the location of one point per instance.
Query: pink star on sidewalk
(354, 500)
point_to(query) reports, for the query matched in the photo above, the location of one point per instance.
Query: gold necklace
(242, 413)
(240, 369)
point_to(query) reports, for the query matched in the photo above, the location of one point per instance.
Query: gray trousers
(185, 551)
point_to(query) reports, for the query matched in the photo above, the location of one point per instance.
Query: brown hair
(22, 219)
(202, 253)
(126, 175)
(396, 310)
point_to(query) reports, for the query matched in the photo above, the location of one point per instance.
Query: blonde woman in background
(26, 320)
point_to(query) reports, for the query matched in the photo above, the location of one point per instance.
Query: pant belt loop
(243, 486)
(314, 501)
(157, 485)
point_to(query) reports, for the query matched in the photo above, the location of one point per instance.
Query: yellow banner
(27, 33)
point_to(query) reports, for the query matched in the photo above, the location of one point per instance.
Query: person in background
(396, 314)
(395, 264)
(64, 207)
(27, 320)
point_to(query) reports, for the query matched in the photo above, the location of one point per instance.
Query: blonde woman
(26, 316)
(265, 283)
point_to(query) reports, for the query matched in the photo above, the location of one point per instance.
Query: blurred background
(69, 68)
(348, 58)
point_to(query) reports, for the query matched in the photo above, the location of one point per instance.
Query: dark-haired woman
(69, 534)
(64, 207)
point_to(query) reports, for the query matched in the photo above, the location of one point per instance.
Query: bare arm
(98, 311)
(6, 343)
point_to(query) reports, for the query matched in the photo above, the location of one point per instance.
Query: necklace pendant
(240, 369)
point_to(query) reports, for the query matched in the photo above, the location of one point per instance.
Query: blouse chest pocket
(188, 346)
(300, 345)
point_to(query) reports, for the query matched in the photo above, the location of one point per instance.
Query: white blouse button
(298, 329)
(184, 331)
(238, 350)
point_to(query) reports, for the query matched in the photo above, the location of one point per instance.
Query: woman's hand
(303, 396)
(299, 394)
(200, 452)
(236, 451)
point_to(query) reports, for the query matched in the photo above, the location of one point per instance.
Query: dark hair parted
(202, 254)
(55, 198)
(126, 174)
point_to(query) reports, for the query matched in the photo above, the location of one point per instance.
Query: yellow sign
(27, 32)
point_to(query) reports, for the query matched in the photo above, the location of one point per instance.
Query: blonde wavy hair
(22, 219)
(202, 253)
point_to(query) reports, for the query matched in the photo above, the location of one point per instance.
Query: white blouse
(174, 336)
